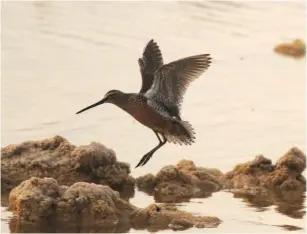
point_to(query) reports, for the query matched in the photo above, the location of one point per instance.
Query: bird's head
(112, 96)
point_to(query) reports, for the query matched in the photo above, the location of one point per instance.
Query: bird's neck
(127, 100)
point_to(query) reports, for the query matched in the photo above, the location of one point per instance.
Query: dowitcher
(159, 101)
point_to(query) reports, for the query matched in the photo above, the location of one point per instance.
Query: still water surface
(58, 57)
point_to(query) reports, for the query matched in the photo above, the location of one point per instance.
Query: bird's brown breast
(150, 118)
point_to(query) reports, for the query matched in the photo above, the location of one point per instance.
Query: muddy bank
(181, 182)
(262, 184)
(67, 163)
(295, 49)
(89, 207)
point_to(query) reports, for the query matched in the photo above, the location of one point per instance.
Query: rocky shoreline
(54, 182)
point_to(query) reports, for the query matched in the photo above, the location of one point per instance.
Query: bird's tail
(181, 132)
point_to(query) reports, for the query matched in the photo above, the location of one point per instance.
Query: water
(58, 57)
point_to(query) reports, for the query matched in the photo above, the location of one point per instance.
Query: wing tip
(201, 57)
(207, 56)
(206, 59)
(151, 42)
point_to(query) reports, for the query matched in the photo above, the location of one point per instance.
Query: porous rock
(34, 199)
(181, 182)
(263, 184)
(67, 163)
(164, 216)
(260, 174)
(40, 204)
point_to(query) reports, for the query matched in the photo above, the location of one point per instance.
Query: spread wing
(172, 80)
(149, 63)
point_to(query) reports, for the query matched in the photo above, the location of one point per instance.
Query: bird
(158, 103)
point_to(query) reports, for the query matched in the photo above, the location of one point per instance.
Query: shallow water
(58, 57)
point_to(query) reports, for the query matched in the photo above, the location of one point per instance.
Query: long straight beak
(91, 106)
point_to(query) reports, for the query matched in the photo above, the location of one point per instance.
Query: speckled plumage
(159, 101)
(156, 116)
(150, 61)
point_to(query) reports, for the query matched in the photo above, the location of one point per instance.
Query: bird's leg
(147, 156)
(150, 152)
(158, 136)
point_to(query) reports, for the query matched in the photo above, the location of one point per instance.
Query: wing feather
(172, 80)
(150, 62)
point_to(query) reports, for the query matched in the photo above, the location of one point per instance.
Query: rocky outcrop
(159, 217)
(262, 183)
(260, 175)
(38, 202)
(67, 163)
(296, 49)
(181, 182)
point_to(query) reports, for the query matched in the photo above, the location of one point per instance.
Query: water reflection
(290, 203)
(79, 226)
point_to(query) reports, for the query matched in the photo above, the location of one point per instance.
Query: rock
(92, 204)
(181, 182)
(263, 184)
(40, 198)
(154, 218)
(260, 174)
(294, 159)
(287, 174)
(34, 199)
(296, 49)
(146, 183)
(40, 204)
(57, 158)
(249, 175)
(180, 224)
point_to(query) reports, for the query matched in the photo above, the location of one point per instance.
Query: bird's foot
(144, 159)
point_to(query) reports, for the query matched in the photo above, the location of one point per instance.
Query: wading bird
(158, 103)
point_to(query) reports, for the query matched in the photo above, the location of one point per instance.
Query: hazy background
(58, 57)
